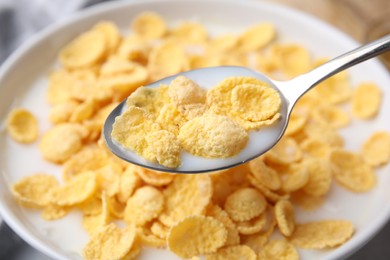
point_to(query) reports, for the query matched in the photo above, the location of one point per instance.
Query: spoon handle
(298, 86)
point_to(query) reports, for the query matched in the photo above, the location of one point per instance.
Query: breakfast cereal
(376, 149)
(279, 249)
(233, 252)
(366, 101)
(284, 215)
(22, 126)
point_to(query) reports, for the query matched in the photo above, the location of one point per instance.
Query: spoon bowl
(260, 141)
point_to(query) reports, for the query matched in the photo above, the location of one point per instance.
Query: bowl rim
(340, 253)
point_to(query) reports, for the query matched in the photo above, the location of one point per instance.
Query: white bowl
(23, 80)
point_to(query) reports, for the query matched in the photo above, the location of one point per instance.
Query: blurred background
(20, 19)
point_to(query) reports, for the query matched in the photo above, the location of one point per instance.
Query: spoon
(259, 141)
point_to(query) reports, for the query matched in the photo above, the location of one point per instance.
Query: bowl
(23, 79)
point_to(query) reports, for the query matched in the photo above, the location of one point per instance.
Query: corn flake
(155, 178)
(265, 174)
(279, 249)
(284, 214)
(22, 126)
(196, 235)
(149, 25)
(376, 149)
(252, 226)
(256, 37)
(285, 152)
(189, 32)
(366, 101)
(320, 177)
(218, 213)
(233, 252)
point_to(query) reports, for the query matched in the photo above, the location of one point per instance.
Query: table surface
(363, 20)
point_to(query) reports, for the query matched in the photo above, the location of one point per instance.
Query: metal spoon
(259, 141)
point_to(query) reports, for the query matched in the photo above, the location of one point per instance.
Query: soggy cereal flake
(284, 214)
(22, 126)
(285, 152)
(150, 99)
(84, 51)
(252, 226)
(256, 37)
(170, 118)
(212, 136)
(155, 178)
(315, 148)
(61, 142)
(145, 205)
(79, 189)
(366, 100)
(54, 212)
(149, 25)
(233, 237)
(110, 242)
(279, 249)
(187, 195)
(351, 171)
(190, 111)
(322, 234)
(167, 59)
(166, 148)
(189, 32)
(196, 235)
(34, 190)
(129, 181)
(255, 102)
(130, 130)
(111, 34)
(320, 176)
(264, 174)
(295, 178)
(376, 149)
(245, 204)
(250, 125)
(184, 91)
(62, 112)
(219, 97)
(233, 252)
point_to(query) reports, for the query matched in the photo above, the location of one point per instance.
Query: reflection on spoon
(259, 141)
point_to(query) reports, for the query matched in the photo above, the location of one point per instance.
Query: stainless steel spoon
(259, 141)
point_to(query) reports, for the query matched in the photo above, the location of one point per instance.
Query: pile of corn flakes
(229, 214)
(160, 122)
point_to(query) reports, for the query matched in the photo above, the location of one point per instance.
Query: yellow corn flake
(184, 91)
(115, 207)
(89, 158)
(295, 178)
(279, 249)
(155, 178)
(351, 171)
(134, 48)
(286, 151)
(110, 242)
(265, 174)
(59, 89)
(92, 223)
(315, 148)
(245, 204)
(149, 239)
(233, 237)
(134, 251)
(295, 124)
(149, 25)
(22, 126)
(376, 149)
(144, 206)
(250, 125)
(255, 102)
(85, 51)
(116, 65)
(322, 234)
(334, 90)
(166, 148)
(62, 141)
(189, 32)
(196, 235)
(150, 99)
(159, 230)
(324, 133)
(222, 43)
(83, 112)
(79, 189)
(203, 61)
(305, 201)
(269, 194)
(169, 118)
(366, 100)
(252, 226)
(257, 37)
(130, 130)
(54, 212)
(108, 178)
(129, 181)
(233, 252)
(219, 97)
(292, 59)
(111, 34)
(187, 195)
(257, 241)
(35, 190)
(212, 136)
(320, 177)
(166, 60)
(284, 214)
(331, 115)
(62, 112)
(190, 111)
(91, 207)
